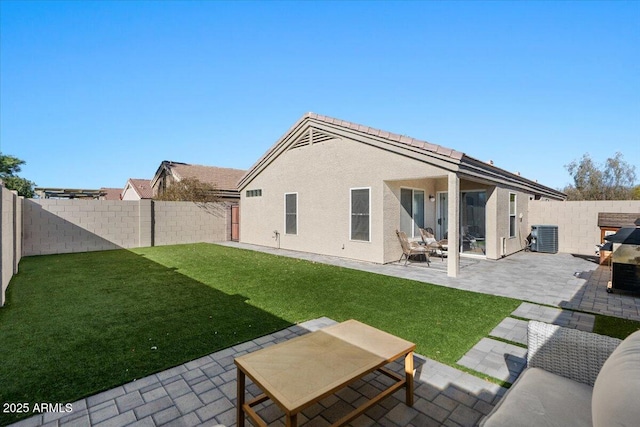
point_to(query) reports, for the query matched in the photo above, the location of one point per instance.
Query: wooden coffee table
(302, 371)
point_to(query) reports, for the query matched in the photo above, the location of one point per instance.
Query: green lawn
(77, 324)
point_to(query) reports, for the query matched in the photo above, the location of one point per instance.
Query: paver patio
(203, 393)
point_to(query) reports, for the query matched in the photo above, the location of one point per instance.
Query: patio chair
(430, 242)
(411, 248)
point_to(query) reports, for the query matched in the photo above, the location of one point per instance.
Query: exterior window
(412, 211)
(360, 217)
(254, 193)
(512, 215)
(291, 213)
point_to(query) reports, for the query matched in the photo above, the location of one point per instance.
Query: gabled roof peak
(403, 139)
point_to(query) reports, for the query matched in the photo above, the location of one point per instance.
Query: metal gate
(235, 223)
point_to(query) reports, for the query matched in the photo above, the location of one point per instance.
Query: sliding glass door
(472, 220)
(412, 211)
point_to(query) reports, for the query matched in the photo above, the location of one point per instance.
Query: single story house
(225, 180)
(137, 189)
(329, 186)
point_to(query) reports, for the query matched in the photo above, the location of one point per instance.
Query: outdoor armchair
(411, 248)
(434, 246)
(573, 378)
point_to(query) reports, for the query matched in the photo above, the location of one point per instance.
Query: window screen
(360, 214)
(291, 213)
(512, 215)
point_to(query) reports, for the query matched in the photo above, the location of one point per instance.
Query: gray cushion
(539, 398)
(616, 392)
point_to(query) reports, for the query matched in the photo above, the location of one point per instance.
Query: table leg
(408, 371)
(240, 398)
(292, 420)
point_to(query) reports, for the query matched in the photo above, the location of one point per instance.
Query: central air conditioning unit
(544, 238)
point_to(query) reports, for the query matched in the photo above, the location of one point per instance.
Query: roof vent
(304, 139)
(311, 136)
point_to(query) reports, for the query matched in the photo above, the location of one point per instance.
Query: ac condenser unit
(544, 238)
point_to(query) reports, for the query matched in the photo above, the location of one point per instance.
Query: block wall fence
(64, 226)
(10, 237)
(577, 222)
(49, 226)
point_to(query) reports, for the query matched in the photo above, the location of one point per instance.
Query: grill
(625, 259)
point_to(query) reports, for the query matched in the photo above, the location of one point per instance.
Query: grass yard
(78, 324)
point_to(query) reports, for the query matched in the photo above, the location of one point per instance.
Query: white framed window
(360, 214)
(512, 215)
(291, 213)
(411, 211)
(254, 193)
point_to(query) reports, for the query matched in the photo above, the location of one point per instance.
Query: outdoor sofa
(573, 378)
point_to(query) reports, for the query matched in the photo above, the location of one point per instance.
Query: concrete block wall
(187, 222)
(577, 222)
(65, 226)
(10, 238)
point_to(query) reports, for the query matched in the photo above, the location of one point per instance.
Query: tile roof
(222, 178)
(142, 187)
(476, 167)
(111, 193)
(403, 139)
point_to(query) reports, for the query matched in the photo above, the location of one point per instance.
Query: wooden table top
(303, 370)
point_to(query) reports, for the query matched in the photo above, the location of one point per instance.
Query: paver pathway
(510, 329)
(505, 361)
(203, 393)
(496, 358)
(556, 316)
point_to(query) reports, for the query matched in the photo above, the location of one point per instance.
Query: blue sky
(94, 93)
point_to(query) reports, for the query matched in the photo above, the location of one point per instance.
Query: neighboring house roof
(111, 193)
(313, 127)
(69, 193)
(224, 179)
(142, 187)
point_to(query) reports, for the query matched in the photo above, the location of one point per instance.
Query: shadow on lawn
(77, 324)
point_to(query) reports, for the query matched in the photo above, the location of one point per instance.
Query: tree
(612, 181)
(9, 167)
(189, 190)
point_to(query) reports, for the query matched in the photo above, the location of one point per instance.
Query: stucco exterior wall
(322, 175)
(130, 194)
(577, 222)
(501, 210)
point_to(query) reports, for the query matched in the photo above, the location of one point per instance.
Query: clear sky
(93, 93)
